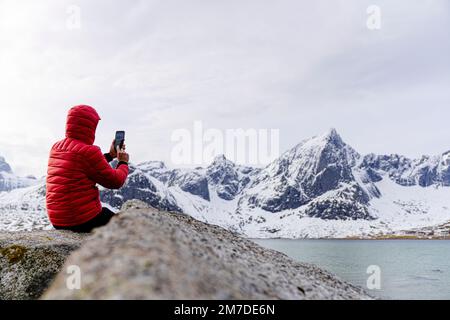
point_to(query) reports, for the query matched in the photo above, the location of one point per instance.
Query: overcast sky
(150, 67)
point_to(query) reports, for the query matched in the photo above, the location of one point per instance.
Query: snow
(399, 208)
(23, 209)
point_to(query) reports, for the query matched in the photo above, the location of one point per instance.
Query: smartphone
(119, 139)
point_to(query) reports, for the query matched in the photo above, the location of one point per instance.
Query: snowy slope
(320, 188)
(23, 209)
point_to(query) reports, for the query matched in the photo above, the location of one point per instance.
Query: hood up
(81, 123)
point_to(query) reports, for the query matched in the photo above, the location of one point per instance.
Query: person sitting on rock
(75, 166)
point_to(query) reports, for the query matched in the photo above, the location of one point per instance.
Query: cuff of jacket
(108, 157)
(121, 162)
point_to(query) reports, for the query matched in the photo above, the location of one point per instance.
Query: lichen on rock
(14, 253)
(30, 260)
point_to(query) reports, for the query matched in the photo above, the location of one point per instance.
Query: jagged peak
(153, 164)
(308, 153)
(220, 157)
(331, 136)
(221, 160)
(332, 132)
(4, 166)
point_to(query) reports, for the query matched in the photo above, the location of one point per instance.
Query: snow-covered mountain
(10, 181)
(21, 200)
(426, 171)
(318, 175)
(320, 188)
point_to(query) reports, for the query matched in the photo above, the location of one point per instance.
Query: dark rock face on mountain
(173, 256)
(424, 172)
(30, 260)
(150, 182)
(332, 167)
(190, 181)
(394, 165)
(223, 176)
(228, 178)
(349, 203)
(283, 197)
(138, 186)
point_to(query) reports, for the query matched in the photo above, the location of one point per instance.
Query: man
(75, 167)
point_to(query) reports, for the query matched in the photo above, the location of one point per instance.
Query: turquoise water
(409, 269)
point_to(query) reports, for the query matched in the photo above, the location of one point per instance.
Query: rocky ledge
(30, 260)
(144, 253)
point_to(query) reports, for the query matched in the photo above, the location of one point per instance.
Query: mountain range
(321, 187)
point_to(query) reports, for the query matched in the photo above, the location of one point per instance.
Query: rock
(30, 260)
(190, 181)
(424, 171)
(135, 204)
(348, 203)
(151, 254)
(227, 178)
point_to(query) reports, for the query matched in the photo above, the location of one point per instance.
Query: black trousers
(99, 220)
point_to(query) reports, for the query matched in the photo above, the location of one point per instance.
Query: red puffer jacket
(75, 167)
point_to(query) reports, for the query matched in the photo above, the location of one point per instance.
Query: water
(410, 269)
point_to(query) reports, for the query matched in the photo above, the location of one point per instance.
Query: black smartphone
(119, 139)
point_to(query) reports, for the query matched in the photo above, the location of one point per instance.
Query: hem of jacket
(81, 222)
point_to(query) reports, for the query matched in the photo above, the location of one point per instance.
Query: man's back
(75, 166)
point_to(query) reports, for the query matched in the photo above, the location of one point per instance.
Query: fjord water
(410, 269)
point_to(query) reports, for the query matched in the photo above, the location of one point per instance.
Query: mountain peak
(220, 159)
(331, 136)
(332, 132)
(4, 166)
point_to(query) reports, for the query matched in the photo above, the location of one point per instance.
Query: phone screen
(119, 139)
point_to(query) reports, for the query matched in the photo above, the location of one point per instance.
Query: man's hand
(122, 155)
(112, 150)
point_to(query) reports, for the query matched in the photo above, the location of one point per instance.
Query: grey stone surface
(30, 260)
(151, 254)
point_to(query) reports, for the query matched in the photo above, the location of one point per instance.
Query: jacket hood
(81, 123)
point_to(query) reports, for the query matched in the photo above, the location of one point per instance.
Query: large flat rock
(151, 254)
(30, 260)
